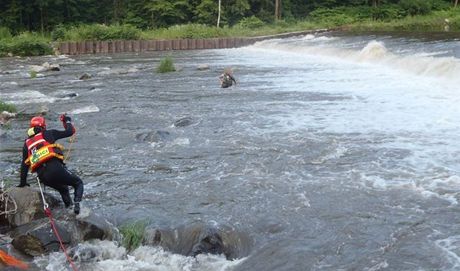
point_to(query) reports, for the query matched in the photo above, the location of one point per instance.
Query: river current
(333, 151)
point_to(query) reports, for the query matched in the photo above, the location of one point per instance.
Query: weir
(127, 46)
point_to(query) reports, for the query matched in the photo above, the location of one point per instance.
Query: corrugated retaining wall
(122, 46)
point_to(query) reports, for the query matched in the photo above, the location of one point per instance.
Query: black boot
(67, 200)
(76, 208)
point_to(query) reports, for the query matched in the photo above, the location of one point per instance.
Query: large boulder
(37, 238)
(199, 238)
(29, 205)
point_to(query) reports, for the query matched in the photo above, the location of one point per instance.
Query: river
(334, 151)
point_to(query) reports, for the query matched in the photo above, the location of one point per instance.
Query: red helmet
(38, 121)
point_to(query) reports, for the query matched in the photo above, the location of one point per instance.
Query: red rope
(53, 226)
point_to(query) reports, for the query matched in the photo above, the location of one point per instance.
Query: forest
(45, 15)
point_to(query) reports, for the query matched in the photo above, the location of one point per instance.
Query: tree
(456, 3)
(277, 9)
(218, 16)
(168, 12)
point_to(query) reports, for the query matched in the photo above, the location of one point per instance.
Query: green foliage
(166, 65)
(206, 12)
(168, 12)
(133, 234)
(187, 31)
(7, 107)
(33, 74)
(59, 32)
(26, 44)
(251, 22)
(5, 33)
(96, 32)
(332, 17)
(416, 7)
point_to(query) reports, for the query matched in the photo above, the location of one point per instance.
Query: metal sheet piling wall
(127, 46)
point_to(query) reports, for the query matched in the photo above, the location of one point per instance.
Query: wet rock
(10, 54)
(183, 122)
(37, 238)
(68, 95)
(43, 110)
(210, 242)
(203, 67)
(155, 136)
(44, 67)
(5, 116)
(85, 76)
(29, 205)
(51, 67)
(198, 238)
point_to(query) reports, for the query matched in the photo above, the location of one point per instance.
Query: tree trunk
(456, 3)
(277, 9)
(218, 15)
(41, 20)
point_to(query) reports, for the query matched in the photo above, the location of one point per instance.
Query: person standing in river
(42, 155)
(226, 79)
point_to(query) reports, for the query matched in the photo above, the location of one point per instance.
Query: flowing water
(333, 151)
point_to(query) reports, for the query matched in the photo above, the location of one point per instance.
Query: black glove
(23, 184)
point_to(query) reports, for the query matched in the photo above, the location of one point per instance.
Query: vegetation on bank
(24, 44)
(7, 107)
(392, 15)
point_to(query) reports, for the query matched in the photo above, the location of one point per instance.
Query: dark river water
(333, 152)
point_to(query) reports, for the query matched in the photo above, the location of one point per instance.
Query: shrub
(251, 22)
(133, 234)
(166, 65)
(96, 32)
(7, 107)
(5, 33)
(59, 32)
(332, 17)
(30, 44)
(186, 31)
(4, 47)
(416, 7)
(33, 74)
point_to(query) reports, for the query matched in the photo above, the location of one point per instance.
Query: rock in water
(203, 67)
(183, 122)
(37, 238)
(85, 76)
(29, 205)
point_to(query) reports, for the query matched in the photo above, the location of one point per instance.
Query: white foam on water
(26, 97)
(374, 53)
(451, 247)
(86, 109)
(108, 256)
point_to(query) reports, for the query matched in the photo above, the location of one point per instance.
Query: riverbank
(97, 38)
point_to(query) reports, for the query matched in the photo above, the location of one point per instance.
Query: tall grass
(96, 32)
(7, 107)
(133, 234)
(166, 65)
(436, 21)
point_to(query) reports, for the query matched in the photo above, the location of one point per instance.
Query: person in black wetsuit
(226, 79)
(42, 155)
